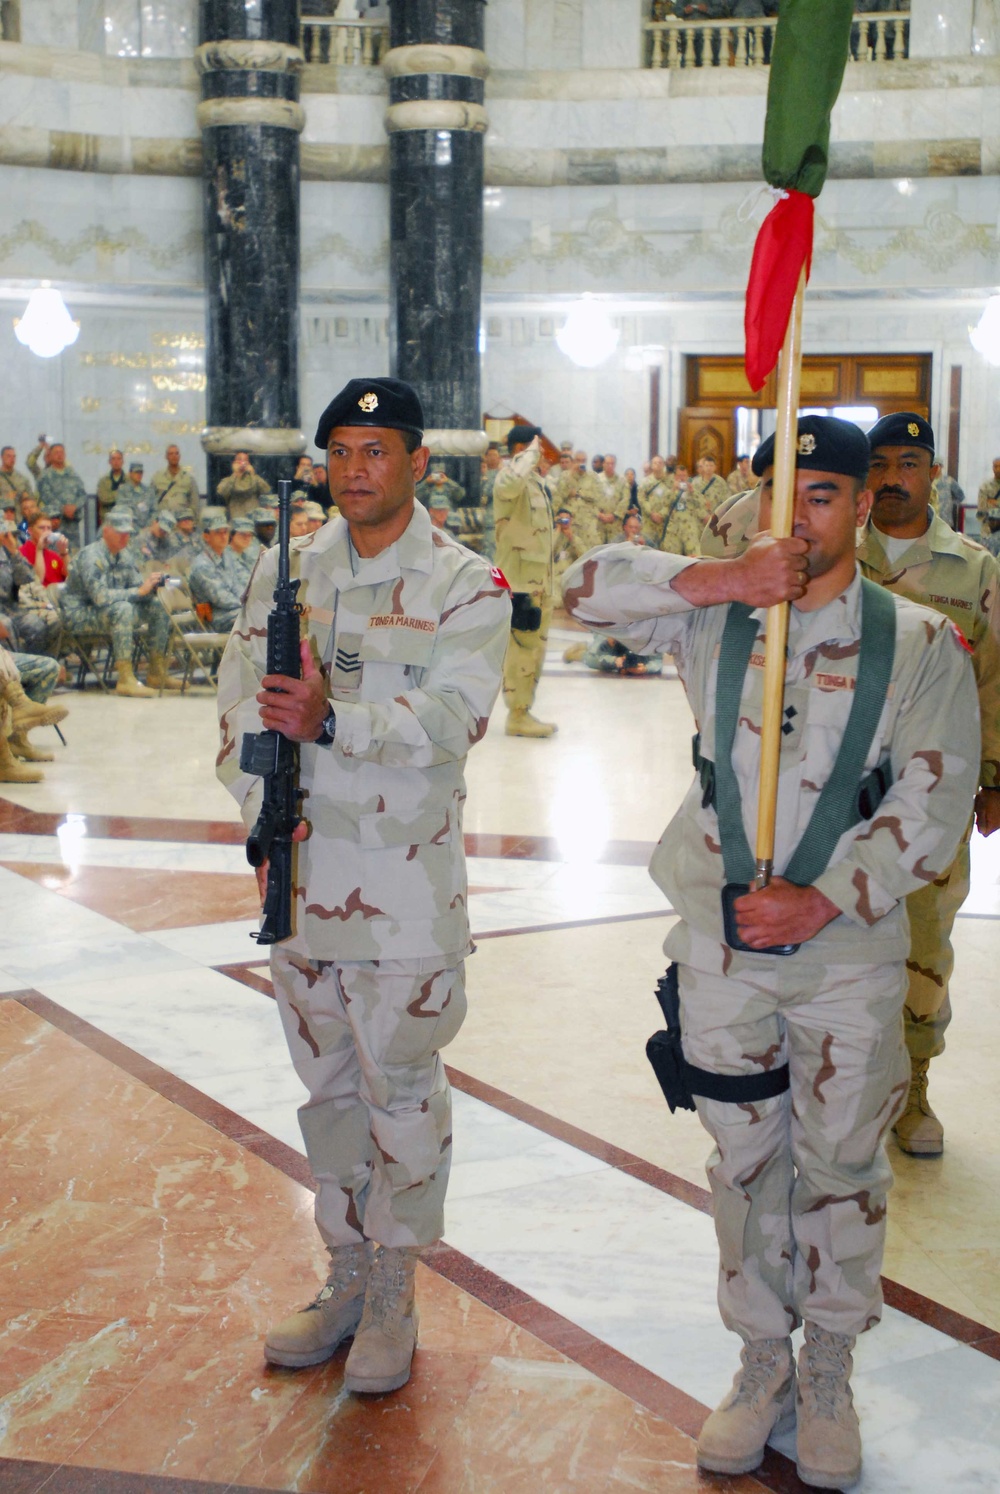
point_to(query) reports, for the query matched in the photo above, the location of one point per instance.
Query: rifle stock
(274, 758)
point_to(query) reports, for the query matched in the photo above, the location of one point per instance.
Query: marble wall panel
(940, 28)
(505, 34)
(50, 23)
(345, 237)
(347, 119)
(612, 33)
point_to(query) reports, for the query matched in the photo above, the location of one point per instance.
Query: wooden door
(706, 430)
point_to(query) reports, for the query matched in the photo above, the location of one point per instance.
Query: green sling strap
(836, 808)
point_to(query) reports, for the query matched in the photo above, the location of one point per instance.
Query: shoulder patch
(961, 639)
(499, 579)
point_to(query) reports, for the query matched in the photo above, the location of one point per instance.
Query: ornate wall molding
(436, 114)
(248, 56)
(434, 57)
(282, 113)
(227, 440)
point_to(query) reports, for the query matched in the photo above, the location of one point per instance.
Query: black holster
(681, 1081)
(525, 616)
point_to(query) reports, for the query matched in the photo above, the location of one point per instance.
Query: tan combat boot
(127, 682)
(315, 1333)
(27, 712)
(918, 1130)
(574, 653)
(829, 1438)
(27, 751)
(383, 1346)
(523, 724)
(11, 771)
(157, 675)
(760, 1404)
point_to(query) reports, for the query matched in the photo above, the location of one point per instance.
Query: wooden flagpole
(782, 519)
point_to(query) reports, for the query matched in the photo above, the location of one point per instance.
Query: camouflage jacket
(617, 494)
(522, 517)
(241, 493)
(176, 492)
(110, 492)
(710, 494)
(15, 572)
(943, 570)
(583, 495)
(413, 646)
(57, 489)
(147, 546)
(216, 579)
(929, 731)
(13, 487)
(654, 496)
(988, 503)
(97, 578)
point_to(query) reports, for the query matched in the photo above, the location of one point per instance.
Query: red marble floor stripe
(21, 1476)
(16, 820)
(248, 977)
(227, 1122)
(145, 900)
(964, 1330)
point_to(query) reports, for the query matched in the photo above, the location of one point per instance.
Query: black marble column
(435, 121)
(250, 120)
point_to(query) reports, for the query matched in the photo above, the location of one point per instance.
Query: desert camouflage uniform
(737, 483)
(684, 516)
(581, 493)
(953, 575)
(565, 549)
(617, 497)
(13, 487)
(524, 553)
(176, 493)
(241, 493)
(799, 1181)
(111, 492)
(654, 496)
(988, 514)
(217, 579)
(103, 593)
(711, 493)
(370, 984)
(56, 489)
(947, 499)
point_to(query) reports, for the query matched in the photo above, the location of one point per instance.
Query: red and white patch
(961, 638)
(499, 579)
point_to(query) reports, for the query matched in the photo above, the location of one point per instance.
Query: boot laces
(760, 1369)
(343, 1275)
(384, 1301)
(917, 1097)
(827, 1373)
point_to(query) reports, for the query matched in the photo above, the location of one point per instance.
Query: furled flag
(810, 53)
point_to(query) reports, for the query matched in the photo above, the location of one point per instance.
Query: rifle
(272, 757)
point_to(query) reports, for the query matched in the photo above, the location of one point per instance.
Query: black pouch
(664, 1049)
(525, 616)
(730, 893)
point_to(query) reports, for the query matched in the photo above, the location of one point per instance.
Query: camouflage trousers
(932, 910)
(37, 632)
(365, 1039)
(609, 657)
(799, 1182)
(39, 675)
(120, 621)
(522, 665)
(682, 535)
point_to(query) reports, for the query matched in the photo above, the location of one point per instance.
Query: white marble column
(941, 28)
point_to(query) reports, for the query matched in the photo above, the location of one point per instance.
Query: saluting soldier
(523, 517)
(812, 975)
(404, 636)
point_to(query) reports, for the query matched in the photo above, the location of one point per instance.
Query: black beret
(825, 444)
(386, 404)
(522, 435)
(901, 429)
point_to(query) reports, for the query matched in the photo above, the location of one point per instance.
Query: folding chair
(192, 638)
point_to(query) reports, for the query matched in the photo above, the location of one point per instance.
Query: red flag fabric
(784, 245)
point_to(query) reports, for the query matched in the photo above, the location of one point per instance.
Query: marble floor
(155, 1199)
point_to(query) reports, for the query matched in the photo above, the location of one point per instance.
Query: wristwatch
(328, 730)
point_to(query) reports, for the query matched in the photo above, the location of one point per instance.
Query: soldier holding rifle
(878, 761)
(403, 642)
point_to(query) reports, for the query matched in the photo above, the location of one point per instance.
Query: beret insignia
(368, 403)
(807, 444)
(913, 429)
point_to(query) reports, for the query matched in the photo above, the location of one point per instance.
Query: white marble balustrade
(676, 43)
(345, 42)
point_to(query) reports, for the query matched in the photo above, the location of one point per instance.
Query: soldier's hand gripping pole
(782, 518)
(271, 756)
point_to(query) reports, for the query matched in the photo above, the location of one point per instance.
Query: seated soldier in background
(244, 548)
(215, 577)
(565, 549)
(265, 524)
(442, 515)
(31, 619)
(315, 515)
(158, 544)
(187, 537)
(298, 521)
(106, 592)
(26, 682)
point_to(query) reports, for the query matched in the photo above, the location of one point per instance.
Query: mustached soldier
(405, 636)
(799, 1179)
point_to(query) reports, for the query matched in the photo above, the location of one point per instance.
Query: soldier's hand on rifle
(299, 833)
(296, 708)
(782, 913)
